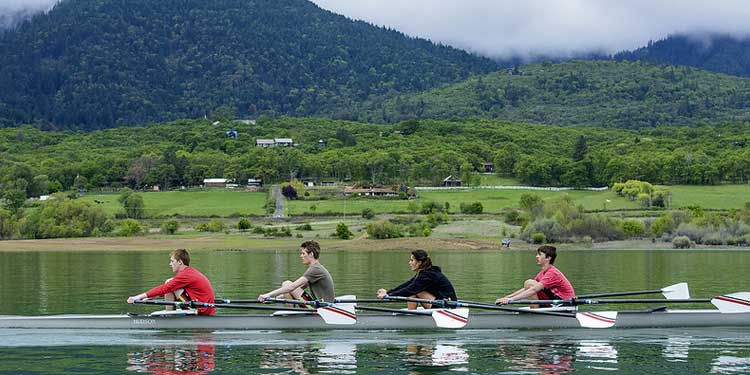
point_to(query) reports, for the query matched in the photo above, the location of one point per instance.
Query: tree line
(184, 152)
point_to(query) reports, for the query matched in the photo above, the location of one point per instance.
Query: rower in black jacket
(428, 283)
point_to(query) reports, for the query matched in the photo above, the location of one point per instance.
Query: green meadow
(224, 203)
(190, 203)
(719, 197)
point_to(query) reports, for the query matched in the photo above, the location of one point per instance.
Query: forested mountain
(92, 64)
(595, 93)
(716, 53)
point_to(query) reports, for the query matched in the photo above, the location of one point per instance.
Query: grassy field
(722, 197)
(495, 180)
(226, 203)
(495, 200)
(189, 203)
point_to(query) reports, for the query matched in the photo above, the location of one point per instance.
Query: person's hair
(422, 257)
(549, 251)
(181, 255)
(311, 247)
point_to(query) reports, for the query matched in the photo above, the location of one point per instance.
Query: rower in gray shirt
(316, 278)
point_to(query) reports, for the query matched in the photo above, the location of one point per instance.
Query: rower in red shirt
(548, 284)
(187, 284)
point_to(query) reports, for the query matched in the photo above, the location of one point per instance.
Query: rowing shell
(478, 320)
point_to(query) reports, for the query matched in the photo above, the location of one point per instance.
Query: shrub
(693, 232)
(538, 238)
(305, 226)
(472, 208)
(244, 224)
(289, 192)
(714, 239)
(633, 228)
(343, 232)
(384, 229)
(681, 242)
(587, 240)
(430, 207)
(664, 224)
(368, 213)
(170, 227)
(259, 230)
(552, 230)
(514, 217)
(130, 227)
(599, 227)
(215, 226)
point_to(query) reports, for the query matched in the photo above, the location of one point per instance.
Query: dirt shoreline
(242, 243)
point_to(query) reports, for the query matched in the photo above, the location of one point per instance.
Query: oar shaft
(223, 300)
(315, 303)
(586, 301)
(220, 305)
(364, 300)
(616, 294)
(437, 302)
(397, 311)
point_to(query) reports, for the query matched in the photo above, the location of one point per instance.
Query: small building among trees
(451, 181)
(215, 182)
(488, 167)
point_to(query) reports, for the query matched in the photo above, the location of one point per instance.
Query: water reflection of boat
(438, 354)
(676, 349)
(190, 359)
(730, 365)
(337, 358)
(499, 320)
(538, 359)
(598, 355)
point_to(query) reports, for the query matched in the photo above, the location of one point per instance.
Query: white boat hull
(477, 320)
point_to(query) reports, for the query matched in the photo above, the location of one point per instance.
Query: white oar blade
(676, 291)
(342, 313)
(733, 303)
(451, 318)
(598, 319)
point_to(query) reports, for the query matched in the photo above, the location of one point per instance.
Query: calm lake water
(99, 282)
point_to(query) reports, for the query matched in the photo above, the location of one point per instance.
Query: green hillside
(601, 93)
(92, 64)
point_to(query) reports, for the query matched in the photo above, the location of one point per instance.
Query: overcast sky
(500, 28)
(503, 28)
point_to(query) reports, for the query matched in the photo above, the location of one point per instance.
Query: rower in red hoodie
(187, 284)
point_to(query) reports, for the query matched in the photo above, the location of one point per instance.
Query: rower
(548, 284)
(188, 284)
(428, 283)
(317, 278)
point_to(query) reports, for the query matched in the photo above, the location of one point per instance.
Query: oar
(600, 319)
(453, 318)
(676, 291)
(224, 300)
(587, 320)
(332, 313)
(729, 303)
(204, 304)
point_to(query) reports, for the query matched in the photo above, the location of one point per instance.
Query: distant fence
(508, 187)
